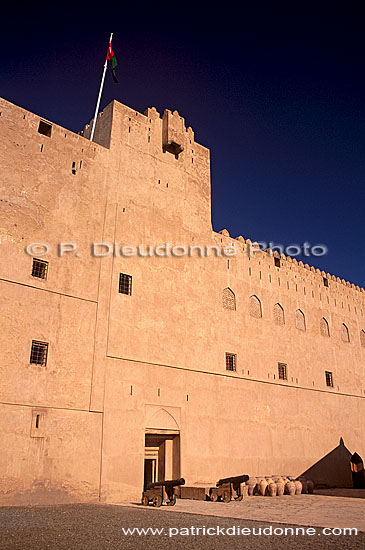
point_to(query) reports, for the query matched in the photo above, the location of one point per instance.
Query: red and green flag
(113, 61)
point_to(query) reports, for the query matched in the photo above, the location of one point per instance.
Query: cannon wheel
(226, 497)
(157, 501)
(145, 500)
(172, 501)
(239, 498)
(214, 496)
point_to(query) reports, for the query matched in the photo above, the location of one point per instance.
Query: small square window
(231, 361)
(39, 352)
(125, 284)
(325, 281)
(39, 269)
(277, 262)
(329, 379)
(282, 371)
(45, 128)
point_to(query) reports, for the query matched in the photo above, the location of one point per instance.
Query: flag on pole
(113, 61)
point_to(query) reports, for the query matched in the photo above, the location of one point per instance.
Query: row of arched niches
(255, 310)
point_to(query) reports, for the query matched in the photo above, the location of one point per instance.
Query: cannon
(161, 492)
(228, 487)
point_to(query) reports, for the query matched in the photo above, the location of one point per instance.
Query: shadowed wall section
(332, 470)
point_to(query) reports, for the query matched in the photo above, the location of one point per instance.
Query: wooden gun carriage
(228, 488)
(161, 492)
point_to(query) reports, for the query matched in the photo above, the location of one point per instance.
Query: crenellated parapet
(252, 248)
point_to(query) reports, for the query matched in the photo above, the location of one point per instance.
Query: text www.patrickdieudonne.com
(237, 531)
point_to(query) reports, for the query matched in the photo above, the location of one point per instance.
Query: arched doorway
(357, 471)
(162, 444)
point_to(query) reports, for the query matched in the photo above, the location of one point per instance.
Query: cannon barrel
(235, 480)
(167, 483)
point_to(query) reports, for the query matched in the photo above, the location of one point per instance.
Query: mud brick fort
(119, 370)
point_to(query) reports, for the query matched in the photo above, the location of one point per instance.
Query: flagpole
(100, 91)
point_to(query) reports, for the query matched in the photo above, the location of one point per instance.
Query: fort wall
(227, 426)
(113, 357)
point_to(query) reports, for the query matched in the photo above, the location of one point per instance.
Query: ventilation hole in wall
(123, 210)
(296, 380)
(296, 288)
(159, 181)
(249, 271)
(136, 114)
(167, 184)
(279, 281)
(248, 372)
(192, 160)
(74, 168)
(65, 135)
(149, 139)
(80, 163)
(131, 390)
(274, 376)
(158, 392)
(312, 294)
(129, 119)
(288, 285)
(187, 397)
(227, 264)
(336, 303)
(42, 148)
(24, 117)
(269, 278)
(82, 150)
(37, 421)
(304, 291)
(129, 129)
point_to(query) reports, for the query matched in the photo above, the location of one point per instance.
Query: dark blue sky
(276, 93)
